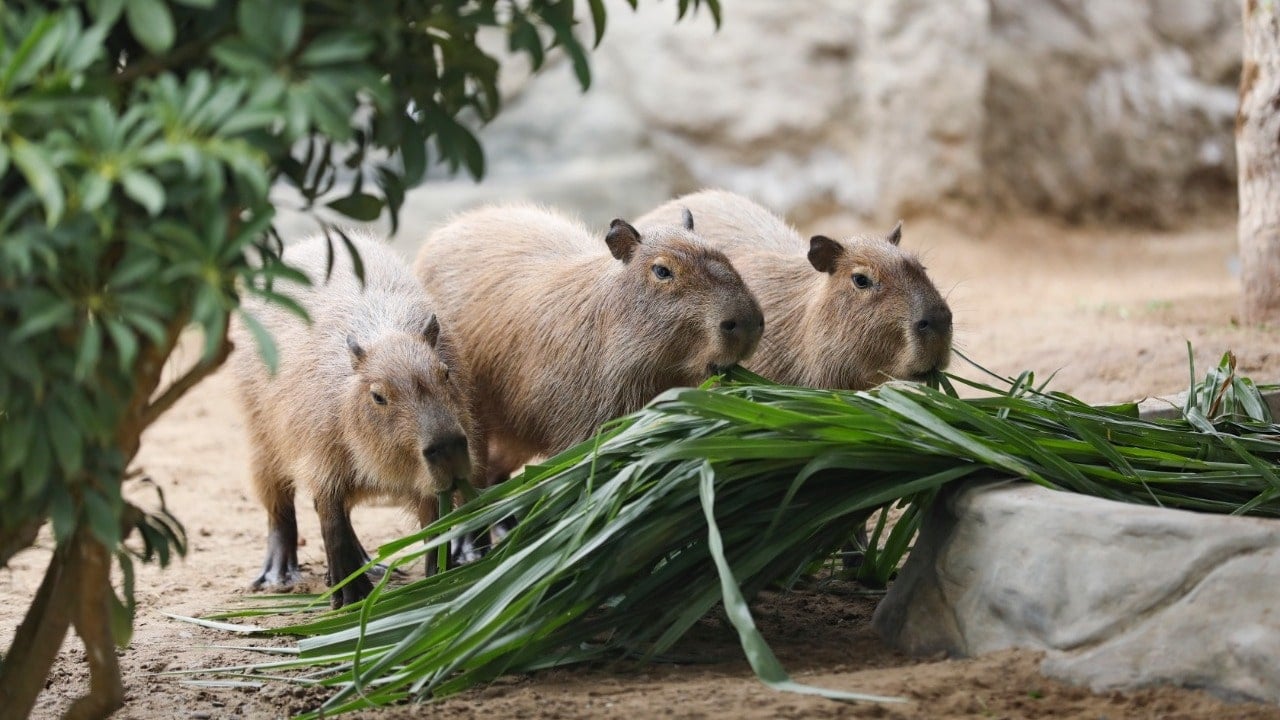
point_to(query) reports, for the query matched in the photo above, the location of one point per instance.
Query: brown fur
(822, 330)
(561, 335)
(317, 422)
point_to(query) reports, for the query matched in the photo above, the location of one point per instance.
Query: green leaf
(95, 189)
(262, 337)
(77, 54)
(151, 23)
(46, 312)
(359, 206)
(62, 513)
(144, 190)
(90, 349)
(200, 4)
(357, 262)
(104, 522)
(105, 12)
(272, 25)
(240, 57)
(523, 36)
(413, 150)
(133, 268)
(597, 20)
(37, 48)
(148, 325)
(122, 612)
(15, 440)
(336, 47)
(39, 170)
(124, 340)
(759, 655)
(66, 439)
(38, 469)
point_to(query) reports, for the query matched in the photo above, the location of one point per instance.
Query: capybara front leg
(429, 512)
(280, 569)
(342, 551)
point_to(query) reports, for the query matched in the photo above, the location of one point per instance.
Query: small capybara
(563, 330)
(842, 314)
(369, 400)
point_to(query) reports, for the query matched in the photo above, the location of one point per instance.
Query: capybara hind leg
(280, 568)
(342, 551)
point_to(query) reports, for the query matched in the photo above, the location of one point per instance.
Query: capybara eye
(662, 272)
(444, 371)
(378, 398)
(860, 281)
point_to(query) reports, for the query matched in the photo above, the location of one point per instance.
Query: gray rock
(1097, 107)
(884, 108)
(1117, 595)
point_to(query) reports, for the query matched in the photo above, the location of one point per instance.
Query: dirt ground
(1109, 309)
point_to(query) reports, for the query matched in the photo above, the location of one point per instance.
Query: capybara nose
(744, 325)
(936, 320)
(445, 448)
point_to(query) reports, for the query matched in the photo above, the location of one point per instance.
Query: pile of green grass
(709, 495)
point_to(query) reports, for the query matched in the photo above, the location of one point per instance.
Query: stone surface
(1117, 595)
(883, 108)
(1097, 107)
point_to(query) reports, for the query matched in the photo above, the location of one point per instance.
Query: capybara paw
(465, 549)
(277, 579)
(353, 592)
(377, 571)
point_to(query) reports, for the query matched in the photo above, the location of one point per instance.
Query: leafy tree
(139, 140)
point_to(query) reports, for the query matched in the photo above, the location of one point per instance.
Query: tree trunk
(1258, 159)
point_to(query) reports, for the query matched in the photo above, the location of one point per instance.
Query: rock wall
(882, 108)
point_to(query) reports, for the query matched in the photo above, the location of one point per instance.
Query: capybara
(563, 330)
(370, 399)
(842, 314)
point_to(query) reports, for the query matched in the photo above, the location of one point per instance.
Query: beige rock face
(883, 107)
(1117, 595)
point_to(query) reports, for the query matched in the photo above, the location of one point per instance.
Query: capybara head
(877, 315)
(688, 297)
(405, 410)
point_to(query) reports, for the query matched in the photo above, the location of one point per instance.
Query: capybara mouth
(926, 375)
(718, 369)
(442, 484)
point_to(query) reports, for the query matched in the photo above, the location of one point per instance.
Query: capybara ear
(431, 333)
(687, 217)
(357, 352)
(622, 239)
(823, 253)
(895, 235)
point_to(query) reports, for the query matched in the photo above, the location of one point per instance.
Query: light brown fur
(822, 330)
(318, 421)
(561, 335)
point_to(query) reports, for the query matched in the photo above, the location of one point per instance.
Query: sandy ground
(1109, 309)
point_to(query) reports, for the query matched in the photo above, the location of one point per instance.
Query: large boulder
(883, 108)
(1116, 595)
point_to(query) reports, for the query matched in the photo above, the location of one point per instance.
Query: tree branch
(180, 386)
(18, 538)
(176, 58)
